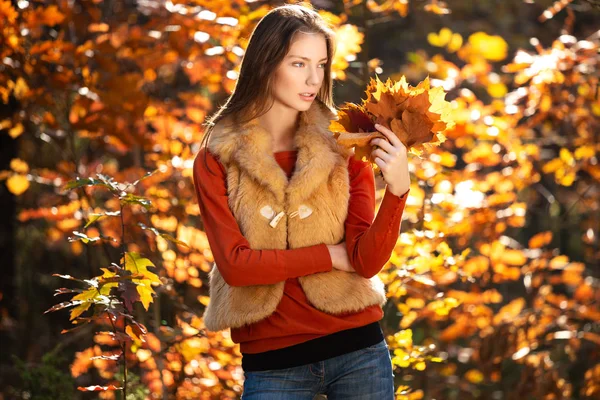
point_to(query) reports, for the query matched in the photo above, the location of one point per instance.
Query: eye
(300, 62)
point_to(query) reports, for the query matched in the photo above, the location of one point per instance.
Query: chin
(305, 105)
(299, 105)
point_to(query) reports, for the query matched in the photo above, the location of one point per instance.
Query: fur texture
(255, 180)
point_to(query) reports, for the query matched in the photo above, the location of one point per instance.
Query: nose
(314, 77)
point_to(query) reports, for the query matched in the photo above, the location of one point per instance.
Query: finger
(383, 155)
(383, 144)
(386, 132)
(390, 134)
(380, 163)
(392, 137)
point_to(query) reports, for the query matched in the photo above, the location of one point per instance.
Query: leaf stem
(124, 346)
(124, 351)
(122, 235)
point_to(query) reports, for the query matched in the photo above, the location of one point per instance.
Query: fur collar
(250, 146)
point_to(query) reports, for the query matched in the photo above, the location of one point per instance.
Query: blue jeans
(363, 374)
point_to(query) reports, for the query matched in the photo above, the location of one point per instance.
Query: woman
(289, 216)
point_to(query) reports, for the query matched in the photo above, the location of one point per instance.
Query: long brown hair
(269, 43)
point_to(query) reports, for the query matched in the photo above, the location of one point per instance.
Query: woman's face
(301, 71)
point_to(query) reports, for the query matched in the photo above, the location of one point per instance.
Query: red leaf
(97, 388)
(129, 294)
(60, 306)
(118, 336)
(67, 277)
(113, 357)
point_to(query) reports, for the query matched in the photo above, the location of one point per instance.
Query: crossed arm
(369, 240)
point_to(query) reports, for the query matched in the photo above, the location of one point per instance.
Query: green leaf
(103, 180)
(144, 177)
(80, 182)
(170, 238)
(133, 199)
(110, 183)
(83, 237)
(95, 217)
(165, 236)
(86, 239)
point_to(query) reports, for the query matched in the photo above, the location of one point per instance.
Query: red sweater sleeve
(239, 264)
(369, 241)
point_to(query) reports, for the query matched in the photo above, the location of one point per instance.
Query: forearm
(247, 267)
(369, 249)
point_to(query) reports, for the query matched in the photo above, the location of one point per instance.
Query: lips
(304, 97)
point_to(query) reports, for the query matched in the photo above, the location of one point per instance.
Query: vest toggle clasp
(276, 220)
(268, 212)
(303, 211)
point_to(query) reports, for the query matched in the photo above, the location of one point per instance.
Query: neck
(281, 122)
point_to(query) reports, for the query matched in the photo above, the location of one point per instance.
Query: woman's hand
(339, 257)
(391, 158)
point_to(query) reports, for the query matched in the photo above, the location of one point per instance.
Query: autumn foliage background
(494, 280)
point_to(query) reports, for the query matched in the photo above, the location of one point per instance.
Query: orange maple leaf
(417, 115)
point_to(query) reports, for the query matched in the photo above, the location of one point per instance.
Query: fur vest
(276, 213)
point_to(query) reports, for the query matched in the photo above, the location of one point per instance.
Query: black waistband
(314, 350)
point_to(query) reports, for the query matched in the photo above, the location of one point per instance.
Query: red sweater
(369, 241)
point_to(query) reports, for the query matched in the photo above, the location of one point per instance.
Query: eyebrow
(306, 58)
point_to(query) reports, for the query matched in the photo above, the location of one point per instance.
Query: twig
(159, 362)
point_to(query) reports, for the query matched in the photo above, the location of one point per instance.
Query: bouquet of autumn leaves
(417, 115)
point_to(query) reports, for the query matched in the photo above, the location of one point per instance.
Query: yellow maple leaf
(104, 286)
(86, 298)
(139, 266)
(94, 293)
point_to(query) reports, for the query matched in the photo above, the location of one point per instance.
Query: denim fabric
(365, 374)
